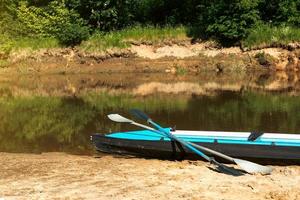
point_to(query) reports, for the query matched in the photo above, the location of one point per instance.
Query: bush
(54, 20)
(73, 34)
(116, 14)
(104, 15)
(279, 12)
(5, 45)
(228, 21)
(9, 24)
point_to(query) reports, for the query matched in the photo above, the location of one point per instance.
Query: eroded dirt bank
(63, 176)
(170, 58)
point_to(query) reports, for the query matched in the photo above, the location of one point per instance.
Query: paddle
(121, 119)
(247, 166)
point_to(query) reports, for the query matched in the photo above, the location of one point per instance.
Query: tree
(278, 12)
(103, 14)
(228, 20)
(53, 20)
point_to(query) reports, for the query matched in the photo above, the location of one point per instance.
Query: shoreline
(176, 57)
(63, 176)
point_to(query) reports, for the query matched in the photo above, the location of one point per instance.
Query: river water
(59, 113)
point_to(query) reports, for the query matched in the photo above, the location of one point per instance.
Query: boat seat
(254, 135)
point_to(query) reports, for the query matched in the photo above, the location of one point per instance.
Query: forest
(69, 22)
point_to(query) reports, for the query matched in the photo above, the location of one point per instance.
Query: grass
(100, 40)
(266, 35)
(121, 39)
(35, 43)
(21, 47)
(8, 44)
(180, 70)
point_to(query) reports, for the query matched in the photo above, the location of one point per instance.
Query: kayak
(147, 143)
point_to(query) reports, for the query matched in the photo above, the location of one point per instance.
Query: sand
(63, 176)
(183, 51)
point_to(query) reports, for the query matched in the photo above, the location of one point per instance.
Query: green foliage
(279, 12)
(73, 34)
(180, 70)
(104, 15)
(9, 23)
(8, 44)
(116, 14)
(228, 21)
(266, 35)
(120, 39)
(149, 11)
(165, 12)
(55, 20)
(5, 44)
(101, 41)
(71, 21)
(35, 43)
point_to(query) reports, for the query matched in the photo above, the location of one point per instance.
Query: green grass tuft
(180, 70)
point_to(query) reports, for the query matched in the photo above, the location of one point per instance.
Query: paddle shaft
(212, 151)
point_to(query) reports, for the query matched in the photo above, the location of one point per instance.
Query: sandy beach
(64, 176)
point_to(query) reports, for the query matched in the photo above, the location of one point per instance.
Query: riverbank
(177, 57)
(64, 176)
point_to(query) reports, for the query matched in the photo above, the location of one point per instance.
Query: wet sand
(63, 176)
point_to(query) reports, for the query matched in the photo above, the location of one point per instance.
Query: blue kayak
(147, 143)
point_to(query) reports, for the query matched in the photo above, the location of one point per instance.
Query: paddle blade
(139, 114)
(251, 167)
(118, 118)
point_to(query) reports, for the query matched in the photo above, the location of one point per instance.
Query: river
(58, 113)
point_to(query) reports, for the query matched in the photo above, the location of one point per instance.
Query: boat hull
(166, 149)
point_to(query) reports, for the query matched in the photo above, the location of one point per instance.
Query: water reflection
(38, 124)
(64, 123)
(58, 113)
